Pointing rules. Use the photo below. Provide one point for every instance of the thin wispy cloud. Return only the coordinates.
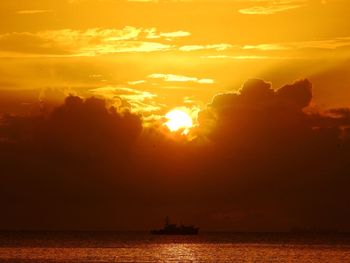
(33, 12)
(272, 7)
(314, 44)
(179, 78)
(217, 47)
(248, 57)
(90, 42)
(136, 82)
(152, 33)
(136, 100)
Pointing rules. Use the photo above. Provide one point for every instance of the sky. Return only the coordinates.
(164, 54)
(87, 88)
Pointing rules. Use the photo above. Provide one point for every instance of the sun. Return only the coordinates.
(178, 120)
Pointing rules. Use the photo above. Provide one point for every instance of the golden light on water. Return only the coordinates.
(179, 120)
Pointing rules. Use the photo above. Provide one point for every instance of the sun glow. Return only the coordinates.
(179, 120)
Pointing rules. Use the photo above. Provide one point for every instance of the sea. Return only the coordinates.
(143, 247)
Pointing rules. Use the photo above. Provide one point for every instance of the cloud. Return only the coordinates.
(258, 95)
(260, 10)
(265, 47)
(246, 57)
(34, 12)
(122, 97)
(326, 44)
(167, 35)
(179, 78)
(27, 43)
(298, 94)
(272, 7)
(97, 41)
(91, 42)
(175, 34)
(261, 159)
(271, 128)
(152, 33)
(216, 47)
(136, 82)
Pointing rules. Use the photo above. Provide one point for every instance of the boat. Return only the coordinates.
(173, 229)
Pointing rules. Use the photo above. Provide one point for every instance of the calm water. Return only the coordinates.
(142, 247)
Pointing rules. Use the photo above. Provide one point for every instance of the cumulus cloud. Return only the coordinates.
(263, 158)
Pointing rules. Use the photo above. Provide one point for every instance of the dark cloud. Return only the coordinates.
(263, 159)
(298, 94)
(289, 160)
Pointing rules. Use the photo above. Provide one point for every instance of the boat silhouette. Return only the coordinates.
(173, 229)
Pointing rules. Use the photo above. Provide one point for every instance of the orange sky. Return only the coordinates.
(157, 55)
(267, 158)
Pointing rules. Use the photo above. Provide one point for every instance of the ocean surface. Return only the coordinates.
(143, 247)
